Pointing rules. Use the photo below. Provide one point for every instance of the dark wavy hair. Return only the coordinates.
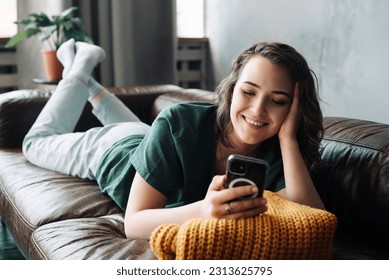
(310, 132)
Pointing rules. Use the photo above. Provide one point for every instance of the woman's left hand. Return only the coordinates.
(292, 121)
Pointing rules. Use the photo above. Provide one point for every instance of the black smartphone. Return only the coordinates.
(243, 171)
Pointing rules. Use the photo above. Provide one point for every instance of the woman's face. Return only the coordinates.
(260, 101)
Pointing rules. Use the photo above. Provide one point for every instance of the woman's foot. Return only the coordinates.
(66, 54)
(86, 58)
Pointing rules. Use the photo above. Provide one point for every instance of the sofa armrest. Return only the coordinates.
(20, 108)
(186, 95)
(353, 176)
(18, 111)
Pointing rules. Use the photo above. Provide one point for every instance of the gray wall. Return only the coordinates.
(345, 42)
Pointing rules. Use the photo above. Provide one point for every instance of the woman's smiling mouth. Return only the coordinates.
(255, 123)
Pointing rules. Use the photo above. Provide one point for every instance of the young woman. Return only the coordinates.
(174, 170)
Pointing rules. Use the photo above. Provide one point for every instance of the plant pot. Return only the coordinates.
(53, 66)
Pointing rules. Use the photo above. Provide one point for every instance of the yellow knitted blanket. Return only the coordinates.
(286, 231)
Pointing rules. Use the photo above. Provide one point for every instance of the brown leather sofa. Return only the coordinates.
(54, 216)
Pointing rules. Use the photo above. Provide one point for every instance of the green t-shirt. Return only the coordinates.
(176, 157)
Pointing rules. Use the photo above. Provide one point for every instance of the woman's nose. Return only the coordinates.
(258, 106)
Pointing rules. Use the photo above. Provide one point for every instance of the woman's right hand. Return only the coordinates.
(221, 203)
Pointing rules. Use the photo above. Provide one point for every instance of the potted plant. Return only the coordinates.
(54, 31)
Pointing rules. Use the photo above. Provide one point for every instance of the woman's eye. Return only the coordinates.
(248, 93)
(279, 102)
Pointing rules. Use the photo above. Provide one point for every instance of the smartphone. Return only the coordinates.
(243, 171)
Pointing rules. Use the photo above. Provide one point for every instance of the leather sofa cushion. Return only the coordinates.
(31, 197)
(86, 239)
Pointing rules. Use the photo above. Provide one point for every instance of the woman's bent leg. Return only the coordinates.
(111, 109)
(78, 154)
(50, 142)
(63, 109)
(107, 107)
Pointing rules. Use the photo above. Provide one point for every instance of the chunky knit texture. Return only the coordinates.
(287, 230)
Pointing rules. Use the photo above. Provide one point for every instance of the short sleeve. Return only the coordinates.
(156, 158)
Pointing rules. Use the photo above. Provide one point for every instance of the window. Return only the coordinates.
(8, 15)
(190, 18)
(8, 68)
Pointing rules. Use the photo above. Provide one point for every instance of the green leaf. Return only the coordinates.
(67, 12)
(23, 21)
(42, 20)
(31, 25)
(20, 36)
(47, 32)
(32, 31)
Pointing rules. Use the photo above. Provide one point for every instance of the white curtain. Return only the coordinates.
(139, 37)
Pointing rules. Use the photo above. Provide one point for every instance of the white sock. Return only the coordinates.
(86, 58)
(65, 54)
(94, 88)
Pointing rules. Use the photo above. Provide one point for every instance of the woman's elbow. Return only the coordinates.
(128, 221)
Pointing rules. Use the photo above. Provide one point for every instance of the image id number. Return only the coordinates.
(249, 270)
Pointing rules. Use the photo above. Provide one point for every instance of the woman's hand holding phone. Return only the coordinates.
(221, 202)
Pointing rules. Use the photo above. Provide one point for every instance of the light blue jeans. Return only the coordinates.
(52, 144)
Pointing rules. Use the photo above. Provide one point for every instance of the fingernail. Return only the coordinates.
(254, 189)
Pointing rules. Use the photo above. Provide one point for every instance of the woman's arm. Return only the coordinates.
(298, 183)
(145, 209)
